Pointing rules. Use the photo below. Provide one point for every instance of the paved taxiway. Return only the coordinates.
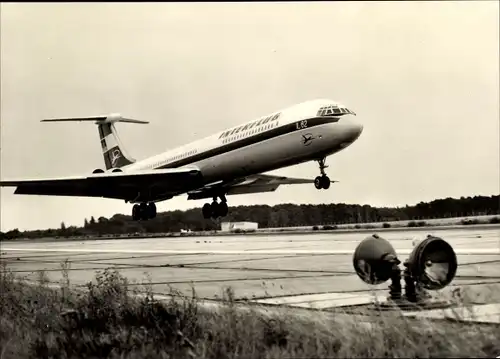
(276, 268)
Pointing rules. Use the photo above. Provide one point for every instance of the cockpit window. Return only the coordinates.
(333, 110)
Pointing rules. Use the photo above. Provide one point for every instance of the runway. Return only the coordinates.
(312, 270)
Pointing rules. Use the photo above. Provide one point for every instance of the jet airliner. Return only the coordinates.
(227, 163)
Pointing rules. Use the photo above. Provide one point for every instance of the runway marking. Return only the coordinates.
(177, 265)
(325, 300)
(461, 251)
(126, 266)
(226, 280)
(87, 254)
(479, 313)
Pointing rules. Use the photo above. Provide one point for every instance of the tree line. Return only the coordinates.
(282, 215)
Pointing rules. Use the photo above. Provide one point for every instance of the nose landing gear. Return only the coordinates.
(323, 181)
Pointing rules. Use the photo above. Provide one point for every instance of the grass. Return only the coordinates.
(109, 320)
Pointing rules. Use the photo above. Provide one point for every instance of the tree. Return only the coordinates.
(285, 214)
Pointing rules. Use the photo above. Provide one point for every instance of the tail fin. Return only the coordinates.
(112, 149)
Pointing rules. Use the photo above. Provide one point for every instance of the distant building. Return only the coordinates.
(241, 226)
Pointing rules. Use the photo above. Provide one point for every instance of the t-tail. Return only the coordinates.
(112, 149)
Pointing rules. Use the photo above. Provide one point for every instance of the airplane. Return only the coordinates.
(229, 162)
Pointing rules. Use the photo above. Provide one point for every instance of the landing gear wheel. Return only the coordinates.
(151, 210)
(215, 210)
(136, 212)
(143, 210)
(223, 209)
(322, 182)
(318, 182)
(325, 182)
(214, 207)
(207, 210)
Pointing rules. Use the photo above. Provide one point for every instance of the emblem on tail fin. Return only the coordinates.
(115, 156)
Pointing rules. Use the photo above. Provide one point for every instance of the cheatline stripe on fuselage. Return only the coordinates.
(251, 140)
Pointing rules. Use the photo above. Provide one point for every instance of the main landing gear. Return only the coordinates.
(214, 210)
(143, 211)
(323, 181)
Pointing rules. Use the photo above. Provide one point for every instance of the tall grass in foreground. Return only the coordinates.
(108, 320)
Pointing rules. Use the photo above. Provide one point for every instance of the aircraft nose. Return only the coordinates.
(354, 128)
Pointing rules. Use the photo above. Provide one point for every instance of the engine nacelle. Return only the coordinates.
(117, 170)
(98, 171)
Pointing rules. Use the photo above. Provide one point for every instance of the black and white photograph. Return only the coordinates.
(217, 180)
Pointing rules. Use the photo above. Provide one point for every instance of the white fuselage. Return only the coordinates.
(291, 136)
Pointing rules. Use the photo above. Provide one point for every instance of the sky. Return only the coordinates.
(423, 78)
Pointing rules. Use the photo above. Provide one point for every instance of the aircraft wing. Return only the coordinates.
(117, 185)
(252, 184)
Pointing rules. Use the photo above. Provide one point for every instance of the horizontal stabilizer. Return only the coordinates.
(112, 149)
(97, 119)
